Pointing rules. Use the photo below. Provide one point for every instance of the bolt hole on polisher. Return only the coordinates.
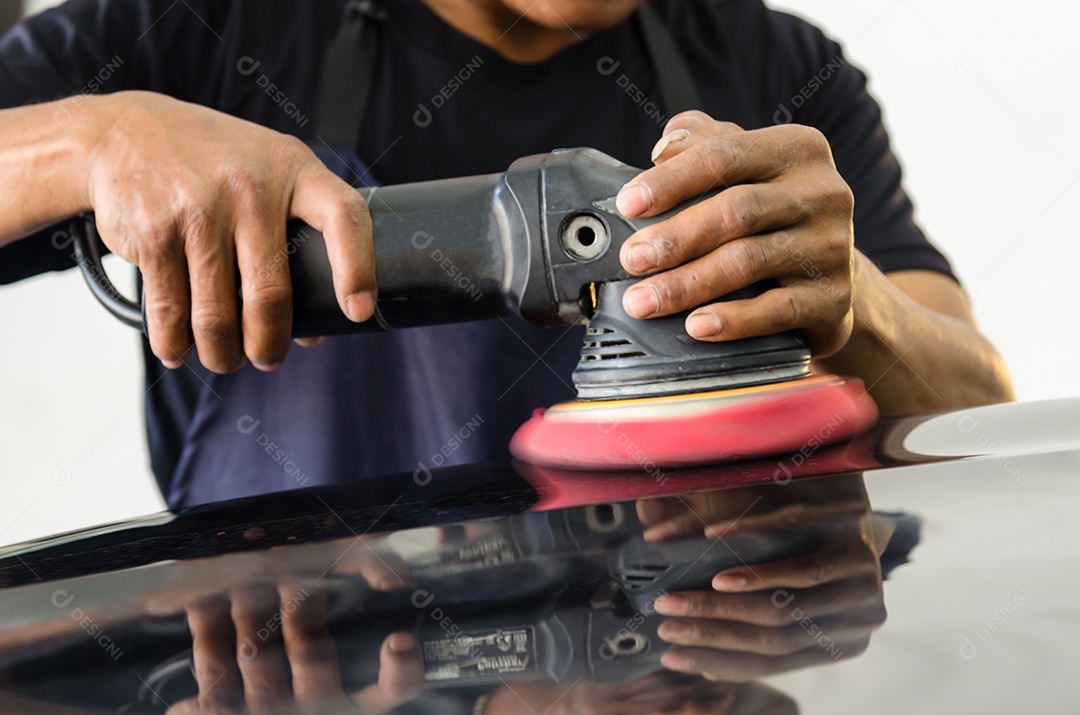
(541, 241)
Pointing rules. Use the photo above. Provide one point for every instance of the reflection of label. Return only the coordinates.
(479, 555)
(481, 654)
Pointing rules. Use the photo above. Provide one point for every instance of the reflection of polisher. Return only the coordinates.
(561, 596)
(542, 241)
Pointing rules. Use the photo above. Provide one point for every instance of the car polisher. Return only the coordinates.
(541, 241)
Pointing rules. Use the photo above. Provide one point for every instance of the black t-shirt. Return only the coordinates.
(443, 105)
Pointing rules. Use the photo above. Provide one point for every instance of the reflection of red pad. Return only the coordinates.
(699, 429)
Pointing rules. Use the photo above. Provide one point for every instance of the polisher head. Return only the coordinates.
(651, 396)
(706, 428)
(625, 358)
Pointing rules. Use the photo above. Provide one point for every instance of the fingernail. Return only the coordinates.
(676, 661)
(703, 325)
(402, 643)
(655, 533)
(675, 630)
(642, 257)
(667, 140)
(360, 306)
(670, 605)
(728, 581)
(172, 364)
(632, 200)
(641, 301)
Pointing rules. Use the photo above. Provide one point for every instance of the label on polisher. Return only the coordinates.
(481, 655)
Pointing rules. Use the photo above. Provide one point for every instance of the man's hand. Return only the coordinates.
(261, 649)
(785, 215)
(199, 201)
(795, 612)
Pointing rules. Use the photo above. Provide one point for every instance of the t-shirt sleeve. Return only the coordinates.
(819, 88)
(90, 47)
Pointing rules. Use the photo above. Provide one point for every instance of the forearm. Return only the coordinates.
(43, 163)
(913, 358)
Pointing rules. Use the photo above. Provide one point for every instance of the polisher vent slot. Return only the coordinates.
(609, 344)
(614, 356)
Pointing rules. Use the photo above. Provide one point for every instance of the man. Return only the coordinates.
(182, 131)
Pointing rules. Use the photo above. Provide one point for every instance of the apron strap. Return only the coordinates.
(678, 93)
(348, 71)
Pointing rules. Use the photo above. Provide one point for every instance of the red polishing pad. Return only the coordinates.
(687, 430)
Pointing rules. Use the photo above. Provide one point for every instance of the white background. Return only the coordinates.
(980, 98)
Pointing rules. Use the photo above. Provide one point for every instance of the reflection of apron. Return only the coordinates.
(404, 401)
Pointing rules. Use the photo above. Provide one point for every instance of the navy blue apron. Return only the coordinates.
(405, 401)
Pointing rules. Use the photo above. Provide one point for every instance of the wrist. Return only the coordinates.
(869, 322)
(93, 120)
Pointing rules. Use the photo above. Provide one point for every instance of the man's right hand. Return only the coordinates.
(191, 195)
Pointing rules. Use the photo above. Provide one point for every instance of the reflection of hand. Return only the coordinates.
(661, 692)
(725, 511)
(768, 618)
(282, 657)
(364, 557)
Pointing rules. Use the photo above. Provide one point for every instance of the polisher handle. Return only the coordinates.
(527, 242)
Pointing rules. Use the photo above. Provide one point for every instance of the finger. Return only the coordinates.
(736, 666)
(260, 655)
(838, 561)
(309, 342)
(686, 129)
(653, 510)
(774, 311)
(167, 297)
(336, 209)
(714, 163)
(787, 516)
(775, 607)
(731, 267)
(738, 212)
(183, 707)
(213, 649)
(383, 571)
(211, 258)
(671, 143)
(309, 647)
(792, 637)
(700, 124)
(266, 287)
(401, 675)
(679, 525)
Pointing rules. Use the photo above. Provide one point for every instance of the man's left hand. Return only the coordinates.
(785, 215)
